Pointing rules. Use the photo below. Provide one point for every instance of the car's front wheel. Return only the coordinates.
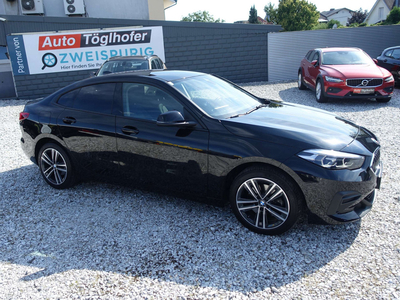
(319, 92)
(265, 201)
(300, 82)
(55, 166)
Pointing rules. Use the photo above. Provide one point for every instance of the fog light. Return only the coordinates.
(333, 90)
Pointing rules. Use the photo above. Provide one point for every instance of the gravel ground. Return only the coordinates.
(99, 241)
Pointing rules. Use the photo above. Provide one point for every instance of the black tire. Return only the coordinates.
(319, 92)
(55, 166)
(383, 100)
(265, 201)
(300, 81)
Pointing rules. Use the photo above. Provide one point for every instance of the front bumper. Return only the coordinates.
(339, 196)
(350, 206)
(341, 90)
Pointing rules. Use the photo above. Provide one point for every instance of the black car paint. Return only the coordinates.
(390, 63)
(202, 161)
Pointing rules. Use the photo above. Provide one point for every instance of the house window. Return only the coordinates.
(381, 13)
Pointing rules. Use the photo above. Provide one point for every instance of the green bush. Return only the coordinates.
(333, 22)
(394, 16)
(321, 26)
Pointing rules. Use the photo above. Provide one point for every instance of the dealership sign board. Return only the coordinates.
(41, 53)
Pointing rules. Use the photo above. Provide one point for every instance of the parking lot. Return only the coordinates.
(97, 240)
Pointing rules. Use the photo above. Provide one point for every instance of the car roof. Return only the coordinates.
(131, 57)
(390, 48)
(161, 75)
(338, 49)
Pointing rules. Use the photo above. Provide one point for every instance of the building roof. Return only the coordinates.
(322, 18)
(389, 3)
(333, 11)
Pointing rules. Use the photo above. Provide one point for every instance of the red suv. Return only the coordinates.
(344, 73)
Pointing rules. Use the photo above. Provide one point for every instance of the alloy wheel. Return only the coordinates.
(318, 90)
(262, 203)
(53, 166)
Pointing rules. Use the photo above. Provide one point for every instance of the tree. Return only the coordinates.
(253, 17)
(293, 14)
(394, 16)
(357, 17)
(201, 16)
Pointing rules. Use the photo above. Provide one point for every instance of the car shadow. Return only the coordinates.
(307, 97)
(102, 227)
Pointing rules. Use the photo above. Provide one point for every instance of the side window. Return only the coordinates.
(396, 54)
(160, 64)
(389, 53)
(141, 101)
(68, 98)
(96, 98)
(316, 57)
(154, 64)
(309, 55)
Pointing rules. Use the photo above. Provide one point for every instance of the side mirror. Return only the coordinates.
(375, 61)
(174, 118)
(314, 63)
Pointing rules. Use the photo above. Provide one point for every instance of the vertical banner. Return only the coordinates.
(80, 50)
(16, 51)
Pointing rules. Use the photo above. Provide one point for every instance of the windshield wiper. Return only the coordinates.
(250, 111)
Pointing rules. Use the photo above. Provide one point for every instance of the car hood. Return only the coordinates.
(294, 125)
(355, 71)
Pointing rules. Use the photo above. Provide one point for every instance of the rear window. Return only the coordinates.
(95, 98)
(123, 66)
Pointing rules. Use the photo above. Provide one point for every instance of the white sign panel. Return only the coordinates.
(81, 50)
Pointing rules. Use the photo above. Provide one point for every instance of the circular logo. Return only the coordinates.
(49, 60)
(364, 82)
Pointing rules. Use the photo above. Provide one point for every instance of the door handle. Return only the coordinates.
(69, 120)
(129, 130)
(385, 60)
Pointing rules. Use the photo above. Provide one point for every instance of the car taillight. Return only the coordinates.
(23, 116)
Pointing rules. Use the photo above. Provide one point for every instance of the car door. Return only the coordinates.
(305, 65)
(391, 60)
(313, 70)
(172, 158)
(87, 125)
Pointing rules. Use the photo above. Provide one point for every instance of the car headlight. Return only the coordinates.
(333, 79)
(390, 78)
(333, 160)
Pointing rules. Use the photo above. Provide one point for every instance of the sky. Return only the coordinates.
(238, 10)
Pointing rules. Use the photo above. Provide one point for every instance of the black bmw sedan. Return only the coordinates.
(199, 135)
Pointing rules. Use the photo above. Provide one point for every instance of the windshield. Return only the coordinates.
(123, 66)
(217, 98)
(345, 58)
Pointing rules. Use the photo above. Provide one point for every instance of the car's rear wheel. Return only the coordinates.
(383, 100)
(265, 201)
(300, 82)
(55, 166)
(319, 92)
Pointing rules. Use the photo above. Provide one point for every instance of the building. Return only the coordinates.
(380, 10)
(342, 15)
(126, 9)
